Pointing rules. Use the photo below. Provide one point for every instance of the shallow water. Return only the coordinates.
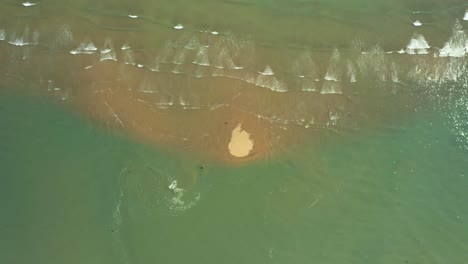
(115, 120)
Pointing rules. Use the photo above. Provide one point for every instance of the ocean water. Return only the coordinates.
(115, 117)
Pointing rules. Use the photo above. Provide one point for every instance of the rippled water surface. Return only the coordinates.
(116, 119)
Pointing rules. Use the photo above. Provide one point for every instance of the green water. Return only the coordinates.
(379, 173)
(74, 193)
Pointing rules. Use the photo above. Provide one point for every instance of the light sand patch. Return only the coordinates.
(241, 144)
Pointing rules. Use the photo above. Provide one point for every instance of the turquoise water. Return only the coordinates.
(72, 192)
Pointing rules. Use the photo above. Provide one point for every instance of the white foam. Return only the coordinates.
(333, 72)
(456, 46)
(331, 87)
(23, 39)
(351, 71)
(178, 26)
(125, 46)
(26, 53)
(270, 82)
(28, 4)
(394, 73)
(108, 52)
(129, 57)
(147, 87)
(180, 56)
(167, 52)
(201, 71)
(2, 34)
(304, 67)
(214, 32)
(466, 16)
(333, 116)
(64, 36)
(35, 38)
(173, 185)
(86, 47)
(232, 54)
(417, 45)
(182, 101)
(218, 72)
(178, 69)
(166, 103)
(307, 85)
(417, 23)
(267, 71)
(193, 43)
(451, 50)
(132, 16)
(156, 65)
(202, 56)
(17, 40)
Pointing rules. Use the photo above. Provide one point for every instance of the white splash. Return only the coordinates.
(307, 84)
(331, 87)
(165, 104)
(180, 56)
(26, 53)
(156, 65)
(417, 23)
(305, 69)
(456, 46)
(125, 46)
(17, 40)
(2, 34)
(223, 59)
(35, 38)
(394, 73)
(333, 116)
(178, 26)
(132, 16)
(64, 36)
(270, 82)
(178, 69)
(417, 45)
(108, 53)
(147, 86)
(267, 71)
(333, 71)
(192, 44)
(466, 16)
(167, 52)
(129, 57)
(28, 4)
(351, 71)
(200, 72)
(202, 56)
(214, 32)
(177, 203)
(86, 47)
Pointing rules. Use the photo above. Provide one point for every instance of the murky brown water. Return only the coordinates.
(186, 74)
